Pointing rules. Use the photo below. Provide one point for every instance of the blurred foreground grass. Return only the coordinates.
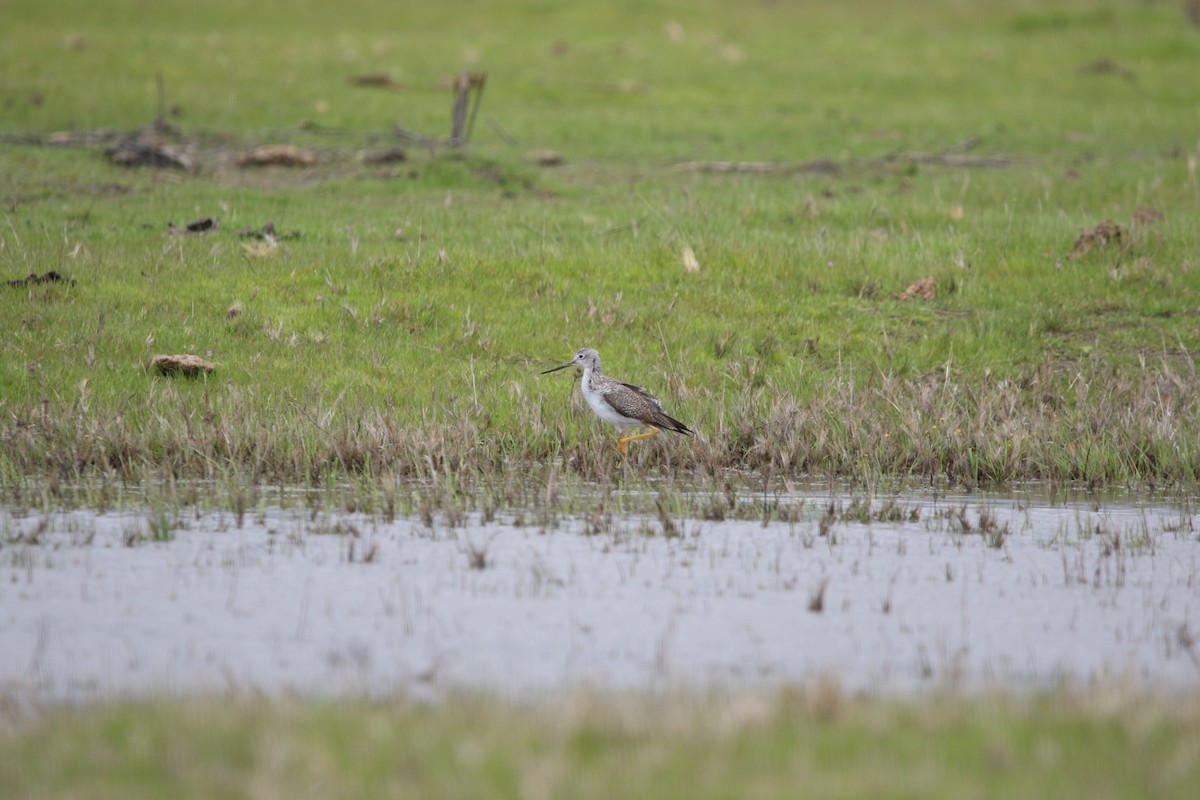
(817, 742)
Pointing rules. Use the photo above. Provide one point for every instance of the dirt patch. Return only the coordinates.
(33, 279)
(1103, 235)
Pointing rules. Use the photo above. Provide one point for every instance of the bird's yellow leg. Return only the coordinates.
(621, 445)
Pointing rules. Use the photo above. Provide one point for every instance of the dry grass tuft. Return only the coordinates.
(1104, 234)
(1052, 424)
(923, 289)
(187, 365)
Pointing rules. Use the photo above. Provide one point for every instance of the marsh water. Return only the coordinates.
(888, 595)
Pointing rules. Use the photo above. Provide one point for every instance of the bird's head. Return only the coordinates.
(587, 358)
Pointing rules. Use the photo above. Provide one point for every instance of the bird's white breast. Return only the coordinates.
(603, 410)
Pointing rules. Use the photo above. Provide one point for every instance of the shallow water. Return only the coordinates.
(329, 604)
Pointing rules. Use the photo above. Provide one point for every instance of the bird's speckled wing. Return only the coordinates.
(648, 395)
(636, 403)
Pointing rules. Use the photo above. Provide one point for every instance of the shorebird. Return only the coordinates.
(621, 404)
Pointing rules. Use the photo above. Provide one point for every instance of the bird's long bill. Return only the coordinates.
(556, 369)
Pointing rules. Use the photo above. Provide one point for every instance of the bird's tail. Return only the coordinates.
(668, 423)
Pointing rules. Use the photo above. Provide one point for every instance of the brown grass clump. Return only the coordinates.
(1050, 425)
(924, 289)
(1104, 234)
(187, 365)
(1146, 215)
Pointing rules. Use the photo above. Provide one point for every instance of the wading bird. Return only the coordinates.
(621, 404)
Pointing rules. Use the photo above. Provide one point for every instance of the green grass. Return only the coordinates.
(366, 350)
(820, 743)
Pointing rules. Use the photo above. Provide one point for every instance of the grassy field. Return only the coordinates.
(817, 743)
(816, 162)
(745, 189)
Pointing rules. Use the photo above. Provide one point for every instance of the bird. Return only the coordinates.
(621, 404)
